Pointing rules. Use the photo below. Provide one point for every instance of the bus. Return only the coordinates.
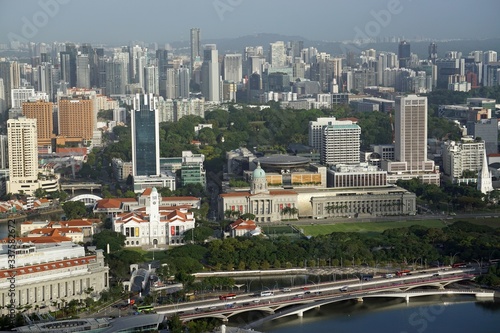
(459, 265)
(403, 272)
(145, 308)
(266, 293)
(228, 296)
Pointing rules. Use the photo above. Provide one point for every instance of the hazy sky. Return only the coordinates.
(163, 21)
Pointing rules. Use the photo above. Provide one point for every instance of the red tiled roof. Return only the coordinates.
(40, 240)
(147, 192)
(52, 231)
(241, 224)
(49, 266)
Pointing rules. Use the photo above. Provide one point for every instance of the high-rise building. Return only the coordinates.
(45, 83)
(184, 77)
(487, 130)
(277, 54)
(340, 143)
(490, 56)
(151, 82)
(404, 54)
(411, 133)
(83, 71)
(210, 78)
(162, 63)
(78, 109)
(3, 102)
(466, 155)
(491, 74)
(20, 95)
(9, 72)
(233, 67)
(4, 152)
(117, 73)
(23, 154)
(195, 46)
(145, 136)
(433, 53)
(42, 112)
(172, 83)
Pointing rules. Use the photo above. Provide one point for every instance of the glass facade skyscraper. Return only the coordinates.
(145, 136)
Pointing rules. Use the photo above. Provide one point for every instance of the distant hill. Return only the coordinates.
(229, 45)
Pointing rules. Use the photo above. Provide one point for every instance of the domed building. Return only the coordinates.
(266, 205)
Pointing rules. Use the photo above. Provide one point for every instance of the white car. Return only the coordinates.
(344, 289)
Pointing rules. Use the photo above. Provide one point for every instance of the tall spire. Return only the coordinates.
(484, 183)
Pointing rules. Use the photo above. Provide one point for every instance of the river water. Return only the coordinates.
(426, 314)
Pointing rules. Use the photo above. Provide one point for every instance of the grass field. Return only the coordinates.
(365, 227)
(378, 227)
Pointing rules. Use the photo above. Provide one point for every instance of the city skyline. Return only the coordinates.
(117, 22)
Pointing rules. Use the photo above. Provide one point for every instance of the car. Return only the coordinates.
(435, 274)
(286, 290)
(344, 289)
(317, 293)
(212, 308)
(307, 292)
(256, 300)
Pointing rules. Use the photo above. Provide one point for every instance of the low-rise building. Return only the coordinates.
(45, 274)
(243, 228)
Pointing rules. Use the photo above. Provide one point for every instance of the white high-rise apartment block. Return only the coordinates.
(151, 80)
(23, 154)
(20, 95)
(233, 67)
(316, 131)
(210, 77)
(461, 156)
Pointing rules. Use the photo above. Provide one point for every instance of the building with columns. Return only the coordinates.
(47, 273)
(267, 205)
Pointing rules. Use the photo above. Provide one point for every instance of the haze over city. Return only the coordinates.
(116, 21)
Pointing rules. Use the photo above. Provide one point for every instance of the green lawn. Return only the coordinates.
(365, 227)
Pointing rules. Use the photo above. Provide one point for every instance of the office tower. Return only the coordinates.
(433, 52)
(78, 109)
(117, 71)
(491, 74)
(195, 46)
(210, 78)
(447, 68)
(101, 68)
(316, 131)
(137, 61)
(23, 154)
(233, 67)
(172, 82)
(42, 112)
(487, 130)
(45, 83)
(9, 72)
(68, 64)
(3, 102)
(411, 133)
(162, 63)
(184, 77)
(296, 47)
(151, 80)
(82, 71)
(277, 54)
(145, 136)
(490, 56)
(404, 54)
(4, 152)
(340, 143)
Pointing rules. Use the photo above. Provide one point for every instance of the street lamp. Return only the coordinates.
(452, 258)
(480, 264)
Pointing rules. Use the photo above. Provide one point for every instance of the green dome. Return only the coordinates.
(258, 172)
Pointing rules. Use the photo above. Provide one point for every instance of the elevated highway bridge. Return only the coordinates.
(301, 299)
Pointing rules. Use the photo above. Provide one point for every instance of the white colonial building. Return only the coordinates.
(154, 225)
(266, 205)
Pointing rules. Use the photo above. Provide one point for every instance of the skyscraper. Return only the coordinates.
(433, 52)
(162, 63)
(411, 133)
(23, 154)
(233, 67)
(184, 77)
(195, 46)
(151, 80)
(83, 71)
(9, 72)
(340, 143)
(145, 136)
(404, 54)
(277, 54)
(210, 78)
